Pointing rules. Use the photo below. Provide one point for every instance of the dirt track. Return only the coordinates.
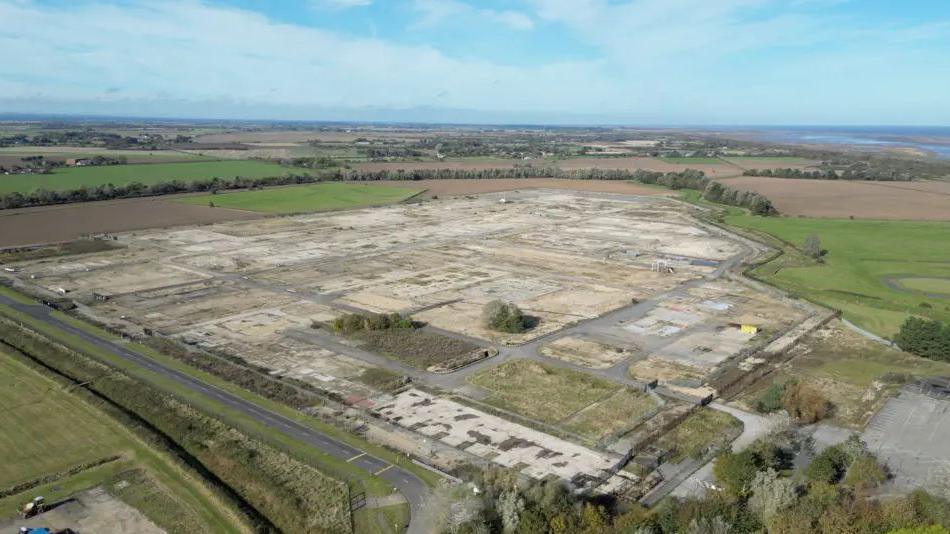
(65, 222)
(864, 200)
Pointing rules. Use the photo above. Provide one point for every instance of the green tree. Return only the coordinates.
(735, 472)
(927, 338)
(828, 466)
(504, 317)
(812, 246)
(770, 494)
(771, 399)
(865, 473)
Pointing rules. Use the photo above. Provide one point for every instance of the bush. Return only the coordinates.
(930, 339)
(771, 399)
(865, 473)
(352, 323)
(504, 317)
(736, 471)
(829, 466)
(805, 403)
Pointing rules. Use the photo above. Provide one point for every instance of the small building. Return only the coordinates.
(748, 324)
(749, 329)
(78, 162)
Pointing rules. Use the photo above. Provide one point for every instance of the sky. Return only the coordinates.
(631, 62)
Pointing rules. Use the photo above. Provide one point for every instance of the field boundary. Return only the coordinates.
(152, 437)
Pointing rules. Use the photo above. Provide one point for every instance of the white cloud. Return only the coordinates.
(435, 12)
(191, 51)
(339, 4)
(685, 61)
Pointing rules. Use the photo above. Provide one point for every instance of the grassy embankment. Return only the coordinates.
(48, 432)
(876, 272)
(69, 178)
(359, 481)
(307, 198)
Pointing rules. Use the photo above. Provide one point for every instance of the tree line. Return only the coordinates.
(44, 197)
(855, 173)
(759, 489)
(688, 179)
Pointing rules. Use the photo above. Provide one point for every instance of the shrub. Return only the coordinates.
(351, 323)
(805, 403)
(930, 339)
(504, 317)
(829, 466)
(736, 471)
(770, 494)
(771, 399)
(865, 473)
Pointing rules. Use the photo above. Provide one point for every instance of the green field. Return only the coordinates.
(703, 430)
(306, 198)
(47, 430)
(131, 156)
(791, 160)
(542, 392)
(863, 256)
(359, 481)
(701, 159)
(65, 179)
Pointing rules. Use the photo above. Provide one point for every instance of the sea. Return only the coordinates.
(932, 139)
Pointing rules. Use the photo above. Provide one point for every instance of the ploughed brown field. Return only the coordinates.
(51, 224)
(631, 163)
(471, 187)
(841, 199)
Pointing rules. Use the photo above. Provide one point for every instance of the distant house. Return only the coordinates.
(78, 162)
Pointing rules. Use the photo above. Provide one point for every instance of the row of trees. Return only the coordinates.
(758, 490)
(850, 173)
(688, 179)
(756, 203)
(42, 197)
(923, 337)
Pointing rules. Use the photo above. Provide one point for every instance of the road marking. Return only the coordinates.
(357, 456)
(388, 467)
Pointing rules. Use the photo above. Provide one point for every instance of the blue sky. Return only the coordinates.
(530, 61)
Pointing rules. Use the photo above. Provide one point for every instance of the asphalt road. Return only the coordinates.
(412, 488)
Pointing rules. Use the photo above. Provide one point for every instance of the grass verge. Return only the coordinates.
(306, 198)
(542, 392)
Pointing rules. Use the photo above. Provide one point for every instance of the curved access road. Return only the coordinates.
(411, 487)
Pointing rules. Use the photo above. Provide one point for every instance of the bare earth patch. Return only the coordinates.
(51, 224)
(584, 352)
(840, 199)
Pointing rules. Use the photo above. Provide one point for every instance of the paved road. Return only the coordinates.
(412, 488)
